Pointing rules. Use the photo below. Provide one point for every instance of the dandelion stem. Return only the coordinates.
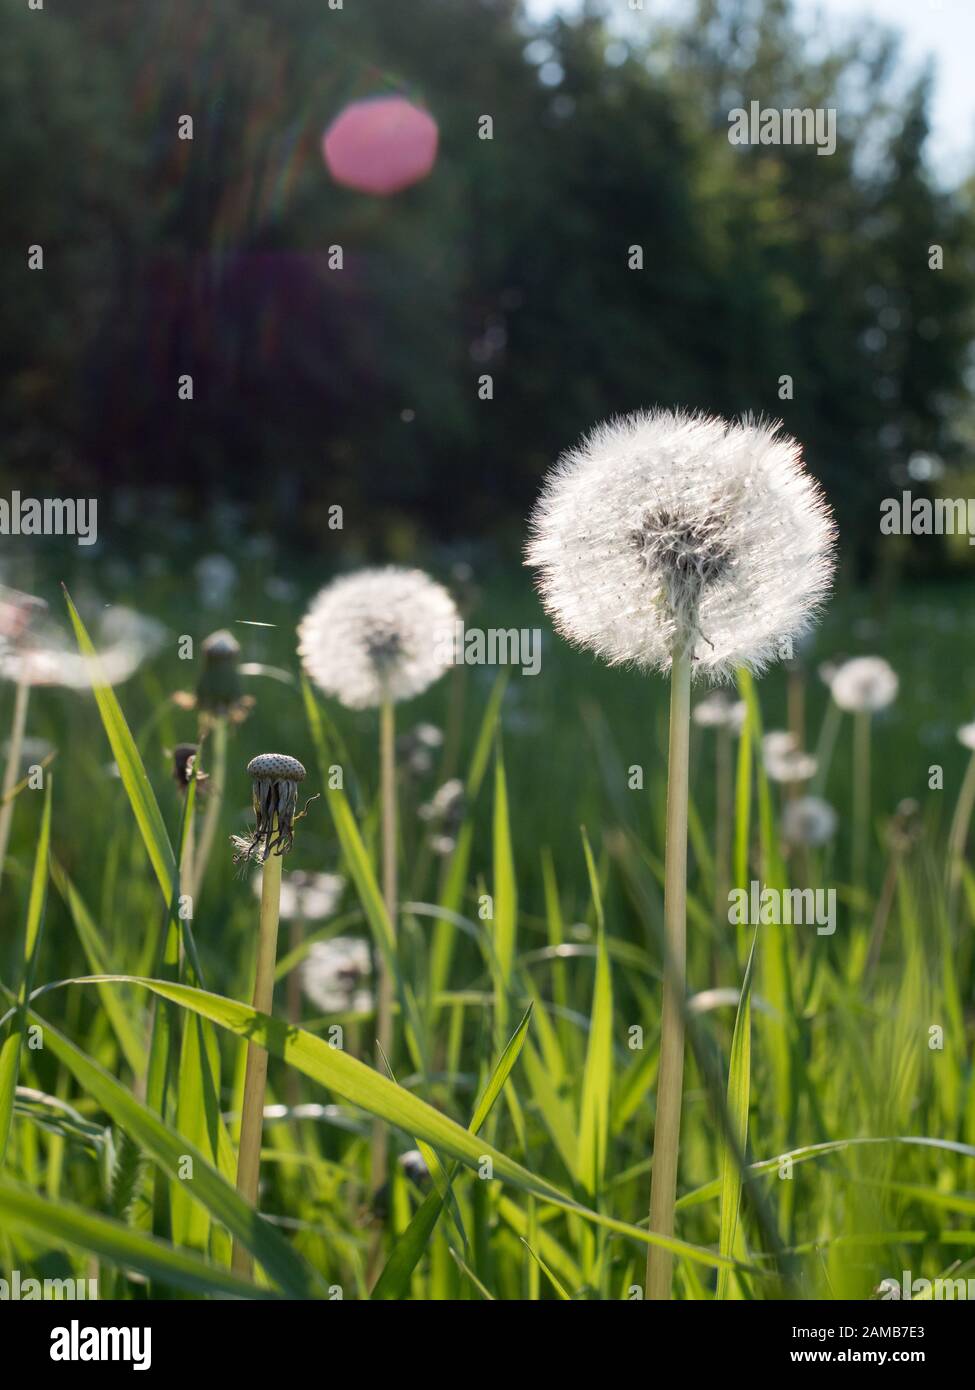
(215, 791)
(724, 801)
(861, 796)
(17, 729)
(670, 1074)
(958, 835)
(255, 1075)
(825, 745)
(384, 1006)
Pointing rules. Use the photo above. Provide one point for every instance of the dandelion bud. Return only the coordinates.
(275, 789)
(219, 690)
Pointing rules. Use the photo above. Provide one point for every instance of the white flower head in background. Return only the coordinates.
(809, 821)
(719, 711)
(378, 634)
(308, 897)
(46, 653)
(216, 578)
(666, 531)
(784, 760)
(865, 683)
(966, 736)
(335, 975)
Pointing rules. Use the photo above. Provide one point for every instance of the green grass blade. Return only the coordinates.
(126, 1031)
(406, 1253)
(739, 1084)
(134, 777)
(505, 891)
(598, 1072)
(170, 1150)
(37, 901)
(547, 1272)
(87, 1231)
(366, 1088)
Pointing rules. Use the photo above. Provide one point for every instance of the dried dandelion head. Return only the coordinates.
(184, 757)
(966, 736)
(664, 532)
(275, 789)
(864, 684)
(380, 634)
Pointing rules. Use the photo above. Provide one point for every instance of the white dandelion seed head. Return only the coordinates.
(378, 634)
(784, 760)
(49, 655)
(719, 711)
(310, 897)
(335, 975)
(809, 820)
(966, 736)
(865, 683)
(666, 531)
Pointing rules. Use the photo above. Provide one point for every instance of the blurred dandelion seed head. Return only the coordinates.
(966, 736)
(864, 684)
(307, 897)
(335, 975)
(808, 821)
(719, 711)
(784, 760)
(666, 531)
(378, 634)
(45, 653)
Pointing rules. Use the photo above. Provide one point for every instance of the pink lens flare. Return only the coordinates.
(381, 145)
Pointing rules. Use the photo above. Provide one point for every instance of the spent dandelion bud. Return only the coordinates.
(184, 768)
(275, 779)
(378, 635)
(666, 532)
(864, 684)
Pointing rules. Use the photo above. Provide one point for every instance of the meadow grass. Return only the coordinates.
(828, 1132)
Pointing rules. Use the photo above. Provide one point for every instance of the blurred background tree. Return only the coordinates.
(314, 385)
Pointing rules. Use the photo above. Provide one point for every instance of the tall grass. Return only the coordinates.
(828, 1129)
